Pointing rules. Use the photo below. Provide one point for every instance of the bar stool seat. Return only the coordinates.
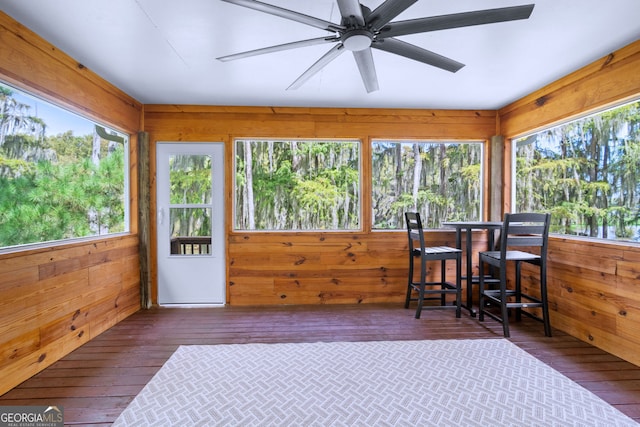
(430, 290)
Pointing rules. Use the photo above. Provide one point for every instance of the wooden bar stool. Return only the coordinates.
(424, 289)
(528, 231)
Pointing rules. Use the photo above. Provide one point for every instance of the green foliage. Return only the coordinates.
(13, 168)
(50, 189)
(586, 173)
(69, 147)
(62, 201)
(190, 184)
(440, 180)
(316, 196)
(316, 184)
(297, 185)
(190, 178)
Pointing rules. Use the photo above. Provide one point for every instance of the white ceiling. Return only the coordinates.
(164, 51)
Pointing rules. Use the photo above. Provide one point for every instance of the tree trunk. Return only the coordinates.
(417, 171)
(248, 166)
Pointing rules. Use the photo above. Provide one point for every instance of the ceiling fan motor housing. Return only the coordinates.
(358, 39)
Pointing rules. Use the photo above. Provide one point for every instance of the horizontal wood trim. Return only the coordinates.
(200, 123)
(354, 114)
(610, 80)
(32, 63)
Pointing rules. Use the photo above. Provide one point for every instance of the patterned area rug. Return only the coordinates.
(384, 383)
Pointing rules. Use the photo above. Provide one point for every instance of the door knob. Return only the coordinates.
(160, 216)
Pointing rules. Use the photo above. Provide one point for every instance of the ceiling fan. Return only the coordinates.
(362, 29)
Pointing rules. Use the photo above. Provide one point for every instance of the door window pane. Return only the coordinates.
(190, 193)
(190, 179)
(190, 231)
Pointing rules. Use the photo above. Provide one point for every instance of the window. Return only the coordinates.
(297, 185)
(190, 210)
(61, 176)
(441, 180)
(586, 173)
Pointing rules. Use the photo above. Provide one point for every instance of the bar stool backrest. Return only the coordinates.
(414, 230)
(525, 230)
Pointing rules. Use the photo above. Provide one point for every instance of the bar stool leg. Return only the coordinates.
(409, 287)
(443, 278)
(458, 285)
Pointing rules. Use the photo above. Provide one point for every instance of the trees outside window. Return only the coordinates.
(61, 176)
(441, 180)
(297, 185)
(586, 173)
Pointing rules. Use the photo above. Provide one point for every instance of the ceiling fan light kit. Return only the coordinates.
(362, 29)
(357, 40)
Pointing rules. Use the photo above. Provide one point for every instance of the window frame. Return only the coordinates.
(549, 127)
(104, 131)
(444, 141)
(355, 140)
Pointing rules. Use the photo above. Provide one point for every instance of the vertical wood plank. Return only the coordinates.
(144, 219)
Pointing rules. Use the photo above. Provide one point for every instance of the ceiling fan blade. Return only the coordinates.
(417, 53)
(288, 14)
(456, 20)
(351, 8)
(364, 59)
(278, 48)
(319, 64)
(388, 10)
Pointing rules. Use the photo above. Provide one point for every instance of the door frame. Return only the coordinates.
(222, 217)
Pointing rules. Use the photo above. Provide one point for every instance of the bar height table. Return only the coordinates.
(468, 227)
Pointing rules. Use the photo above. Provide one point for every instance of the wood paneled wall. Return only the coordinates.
(595, 294)
(54, 299)
(326, 268)
(594, 286)
(313, 267)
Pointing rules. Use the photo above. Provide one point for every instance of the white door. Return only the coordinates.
(190, 223)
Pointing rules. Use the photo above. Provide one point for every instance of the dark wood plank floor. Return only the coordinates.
(96, 382)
